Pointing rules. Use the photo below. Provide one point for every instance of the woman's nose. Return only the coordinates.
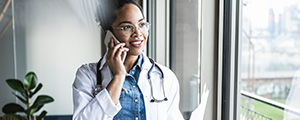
(137, 32)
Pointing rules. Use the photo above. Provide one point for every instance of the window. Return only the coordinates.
(45, 36)
(270, 59)
(7, 51)
(185, 51)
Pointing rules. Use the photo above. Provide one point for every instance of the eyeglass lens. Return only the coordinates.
(130, 29)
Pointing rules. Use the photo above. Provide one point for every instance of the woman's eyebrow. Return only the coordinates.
(141, 19)
(129, 21)
(124, 22)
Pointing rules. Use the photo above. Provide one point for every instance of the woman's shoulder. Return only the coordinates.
(88, 65)
(85, 74)
(87, 68)
(163, 67)
(167, 71)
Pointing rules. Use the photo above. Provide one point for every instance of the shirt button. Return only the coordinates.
(132, 72)
(133, 86)
(136, 118)
(136, 100)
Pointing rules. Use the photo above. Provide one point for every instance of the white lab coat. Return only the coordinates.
(101, 107)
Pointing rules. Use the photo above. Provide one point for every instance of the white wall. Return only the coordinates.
(209, 55)
(53, 40)
(57, 44)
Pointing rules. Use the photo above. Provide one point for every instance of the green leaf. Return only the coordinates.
(39, 108)
(33, 110)
(42, 115)
(12, 108)
(36, 89)
(36, 109)
(17, 85)
(20, 98)
(18, 117)
(30, 80)
(41, 100)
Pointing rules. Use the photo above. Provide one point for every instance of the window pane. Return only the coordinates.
(270, 57)
(7, 49)
(185, 45)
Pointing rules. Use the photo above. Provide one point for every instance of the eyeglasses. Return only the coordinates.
(129, 29)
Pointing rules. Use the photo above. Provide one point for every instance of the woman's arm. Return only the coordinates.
(86, 106)
(115, 64)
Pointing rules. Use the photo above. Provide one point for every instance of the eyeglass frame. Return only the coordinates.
(132, 29)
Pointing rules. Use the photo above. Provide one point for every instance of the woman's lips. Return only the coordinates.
(137, 43)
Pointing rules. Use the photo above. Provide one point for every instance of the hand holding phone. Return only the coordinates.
(108, 35)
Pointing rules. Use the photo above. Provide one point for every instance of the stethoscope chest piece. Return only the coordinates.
(97, 89)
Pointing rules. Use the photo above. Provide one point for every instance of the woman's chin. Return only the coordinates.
(135, 53)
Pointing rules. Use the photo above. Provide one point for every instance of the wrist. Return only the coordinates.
(120, 76)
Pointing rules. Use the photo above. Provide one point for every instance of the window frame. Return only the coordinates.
(158, 14)
(229, 59)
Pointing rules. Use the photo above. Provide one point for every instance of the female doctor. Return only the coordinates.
(137, 88)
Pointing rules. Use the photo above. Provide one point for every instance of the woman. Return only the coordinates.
(126, 91)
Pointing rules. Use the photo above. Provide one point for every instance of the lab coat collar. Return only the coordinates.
(146, 65)
(143, 75)
(103, 60)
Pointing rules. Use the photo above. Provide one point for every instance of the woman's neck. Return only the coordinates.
(129, 62)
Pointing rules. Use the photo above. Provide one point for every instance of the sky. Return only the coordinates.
(257, 10)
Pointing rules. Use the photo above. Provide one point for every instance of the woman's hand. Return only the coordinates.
(117, 67)
(114, 59)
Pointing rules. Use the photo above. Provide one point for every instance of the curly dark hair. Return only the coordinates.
(106, 11)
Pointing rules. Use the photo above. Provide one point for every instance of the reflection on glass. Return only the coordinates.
(293, 97)
(7, 49)
(50, 38)
(269, 55)
(185, 55)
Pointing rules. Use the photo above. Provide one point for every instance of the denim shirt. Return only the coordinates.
(131, 98)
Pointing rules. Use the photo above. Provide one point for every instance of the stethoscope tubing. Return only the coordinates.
(99, 81)
(151, 86)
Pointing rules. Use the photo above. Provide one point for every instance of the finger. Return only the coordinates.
(123, 56)
(120, 51)
(111, 43)
(110, 47)
(113, 52)
(118, 46)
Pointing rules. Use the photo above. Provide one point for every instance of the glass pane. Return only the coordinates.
(50, 38)
(7, 49)
(270, 57)
(185, 55)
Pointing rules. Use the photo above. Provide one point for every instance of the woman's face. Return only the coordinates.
(130, 15)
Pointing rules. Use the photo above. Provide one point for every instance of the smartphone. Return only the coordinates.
(108, 35)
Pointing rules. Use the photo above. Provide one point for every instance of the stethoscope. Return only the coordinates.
(153, 99)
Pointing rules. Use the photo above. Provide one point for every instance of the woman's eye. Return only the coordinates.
(127, 27)
(143, 25)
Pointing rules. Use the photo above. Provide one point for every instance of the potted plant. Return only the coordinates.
(24, 92)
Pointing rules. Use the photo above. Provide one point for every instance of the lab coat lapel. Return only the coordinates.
(143, 80)
(105, 72)
(152, 109)
(144, 85)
